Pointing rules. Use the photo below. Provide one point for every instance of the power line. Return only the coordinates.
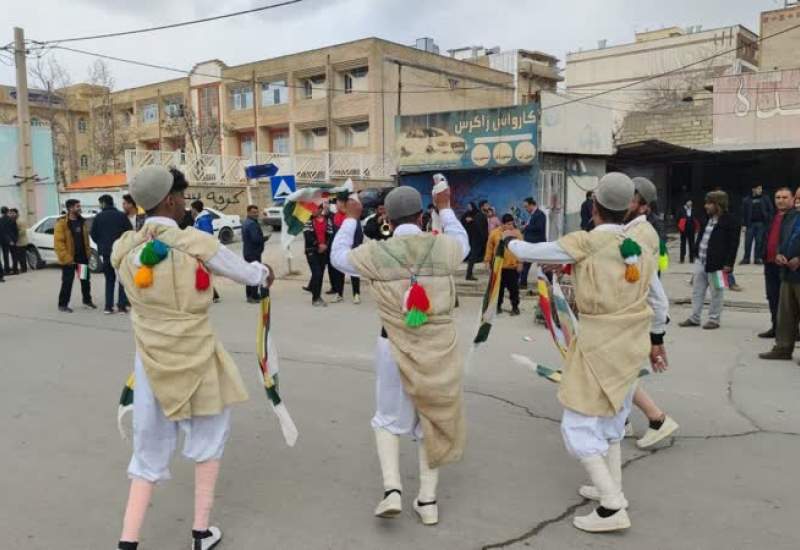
(175, 25)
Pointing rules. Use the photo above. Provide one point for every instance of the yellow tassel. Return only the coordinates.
(631, 273)
(143, 277)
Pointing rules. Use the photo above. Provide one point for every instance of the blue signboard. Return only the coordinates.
(484, 138)
(282, 187)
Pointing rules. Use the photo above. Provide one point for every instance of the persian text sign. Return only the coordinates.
(485, 138)
(757, 108)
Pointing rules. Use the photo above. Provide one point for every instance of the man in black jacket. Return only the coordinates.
(252, 246)
(534, 232)
(586, 212)
(107, 227)
(717, 244)
(757, 210)
(8, 230)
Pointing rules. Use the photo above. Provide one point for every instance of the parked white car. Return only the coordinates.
(273, 217)
(41, 250)
(227, 227)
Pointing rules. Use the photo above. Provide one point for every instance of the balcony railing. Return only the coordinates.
(229, 170)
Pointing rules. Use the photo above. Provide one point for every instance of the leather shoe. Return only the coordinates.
(688, 323)
(767, 333)
(776, 354)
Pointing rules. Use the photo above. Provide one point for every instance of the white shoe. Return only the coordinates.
(390, 507)
(428, 513)
(651, 437)
(209, 542)
(336, 299)
(593, 523)
(591, 492)
(357, 299)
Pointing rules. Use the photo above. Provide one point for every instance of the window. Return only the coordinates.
(38, 122)
(48, 226)
(241, 98)
(150, 113)
(314, 87)
(246, 145)
(173, 108)
(84, 162)
(355, 80)
(274, 93)
(315, 139)
(280, 142)
(356, 135)
(209, 104)
(81, 125)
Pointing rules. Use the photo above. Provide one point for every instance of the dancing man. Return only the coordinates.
(419, 370)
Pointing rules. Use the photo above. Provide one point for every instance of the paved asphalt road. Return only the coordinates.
(728, 481)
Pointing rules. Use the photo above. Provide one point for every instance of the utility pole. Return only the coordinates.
(28, 198)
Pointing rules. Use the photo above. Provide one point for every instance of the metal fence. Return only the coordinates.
(218, 170)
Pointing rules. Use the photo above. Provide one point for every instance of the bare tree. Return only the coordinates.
(108, 138)
(203, 136)
(52, 106)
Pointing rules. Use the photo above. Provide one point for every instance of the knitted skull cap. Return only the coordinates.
(615, 191)
(402, 202)
(646, 189)
(150, 185)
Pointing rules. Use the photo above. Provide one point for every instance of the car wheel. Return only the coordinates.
(33, 258)
(226, 235)
(95, 265)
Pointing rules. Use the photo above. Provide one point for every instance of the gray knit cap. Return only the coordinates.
(615, 191)
(402, 202)
(150, 185)
(646, 189)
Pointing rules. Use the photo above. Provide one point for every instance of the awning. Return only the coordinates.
(102, 181)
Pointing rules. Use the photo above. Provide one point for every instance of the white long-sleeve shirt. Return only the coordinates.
(343, 242)
(225, 262)
(553, 253)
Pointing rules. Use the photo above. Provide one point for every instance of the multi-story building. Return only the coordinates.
(533, 71)
(692, 57)
(779, 52)
(331, 105)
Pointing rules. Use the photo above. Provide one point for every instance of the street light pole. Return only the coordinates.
(28, 198)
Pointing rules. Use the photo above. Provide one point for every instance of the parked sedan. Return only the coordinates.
(227, 227)
(41, 250)
(273, 217)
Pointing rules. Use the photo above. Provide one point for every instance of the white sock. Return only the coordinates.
(428, 477)
(389, 455)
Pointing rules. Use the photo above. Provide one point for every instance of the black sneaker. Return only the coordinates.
(330, 292)
(207, 539)
(108, 311)
(89, 305)
(122, 309)
(515, 312)
(65, 309)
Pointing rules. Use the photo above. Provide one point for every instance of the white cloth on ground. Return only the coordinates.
(155, 437)
(586, 436)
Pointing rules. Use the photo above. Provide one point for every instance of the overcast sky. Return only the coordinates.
(553, 26)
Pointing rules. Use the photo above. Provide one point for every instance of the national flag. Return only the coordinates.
(82, 272)
(125, 406)
(567, 321)
(720, 279)
(547, 307)
(489, 307)
(300, 206)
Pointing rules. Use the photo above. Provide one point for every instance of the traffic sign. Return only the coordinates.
(282, 187)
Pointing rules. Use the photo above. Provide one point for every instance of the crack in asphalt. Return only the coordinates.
(527, 410)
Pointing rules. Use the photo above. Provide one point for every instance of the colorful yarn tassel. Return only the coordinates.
(143, 277)
(630, 251)
(416, 305)
(153, 253)
(631, 272)
(202, 280)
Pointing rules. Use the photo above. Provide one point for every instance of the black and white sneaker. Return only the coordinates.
(206, 540)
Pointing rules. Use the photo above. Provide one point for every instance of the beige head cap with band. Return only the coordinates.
(150, 185)
(614, 191)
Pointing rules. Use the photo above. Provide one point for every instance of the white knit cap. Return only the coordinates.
(615, 191)
(150, 185)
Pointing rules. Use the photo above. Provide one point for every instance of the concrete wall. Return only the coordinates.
(45, 191)
(780, 52)
(685, 125)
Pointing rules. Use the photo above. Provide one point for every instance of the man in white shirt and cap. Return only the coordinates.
(419, 370)
(623, 311)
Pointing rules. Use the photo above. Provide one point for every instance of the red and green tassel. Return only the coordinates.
(416, 305)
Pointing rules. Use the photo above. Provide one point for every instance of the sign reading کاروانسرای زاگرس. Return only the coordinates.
(483, 138)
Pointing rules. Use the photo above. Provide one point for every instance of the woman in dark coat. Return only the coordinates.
(477, 228)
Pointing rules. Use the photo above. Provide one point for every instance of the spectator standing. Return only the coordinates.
(8, 231)
(131, 210)
(757, 210)
(107, 227)
(203, 221)
(477, 228)
(509, 279)
(784, 202)
(317, 235)
(587, 223)
(535, 231)
(252, 247)
(717, 245)
(337, 278)
(71, 243)
(688, 226)
(20, 247)
(494, 221)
